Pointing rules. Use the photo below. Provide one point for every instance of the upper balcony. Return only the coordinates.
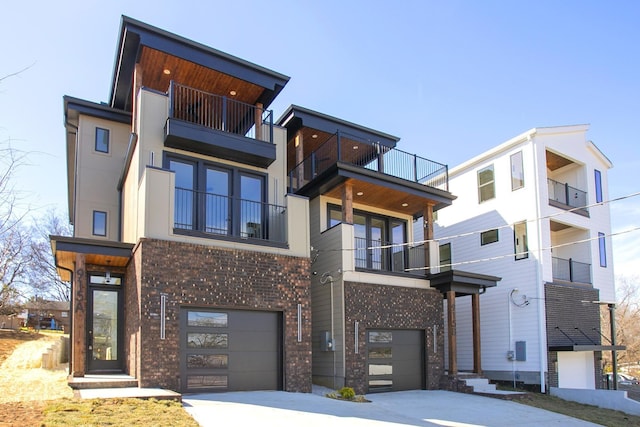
(332, 157)
(219, 126)
(563, 178)
(565, 196)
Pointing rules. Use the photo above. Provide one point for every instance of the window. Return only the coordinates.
(64, 314)
(517, 171)
(489, 236)
(102, 140)
(603, 250)
(520, 240)
(598, 179)
(99, 223)
(445, 257)
(486, 185)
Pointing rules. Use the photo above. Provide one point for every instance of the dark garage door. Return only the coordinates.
(229, 350)
(395, 360)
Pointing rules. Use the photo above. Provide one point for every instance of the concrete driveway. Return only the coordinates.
(406, 408)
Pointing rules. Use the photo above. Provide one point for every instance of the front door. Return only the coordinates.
(104, 319)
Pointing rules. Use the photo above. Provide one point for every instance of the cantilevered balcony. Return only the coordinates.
(387, 257)
(564, 196)
(352, 150)
(568, 270)
(219, 126)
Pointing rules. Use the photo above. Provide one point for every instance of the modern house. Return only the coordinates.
(376, 291)
(189, 263)
(531, 211)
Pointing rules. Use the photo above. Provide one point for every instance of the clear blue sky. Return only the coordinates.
(451, 78)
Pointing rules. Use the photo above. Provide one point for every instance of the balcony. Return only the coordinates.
(211, 215)
(564, 196)
(385, 257)
(345, 148)
(568, 270)
(216, 125)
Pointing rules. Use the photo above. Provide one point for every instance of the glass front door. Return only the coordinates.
(103, 325)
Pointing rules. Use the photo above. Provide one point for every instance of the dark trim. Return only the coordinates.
(133, 141)
(227, 238)
(579, 211)
(135, 34)
(578, 347)
(90, 246)
(296, 117)
(462, 282)
(80, 106)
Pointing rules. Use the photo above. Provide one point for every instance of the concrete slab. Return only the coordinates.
(406, 408)
(127, 392)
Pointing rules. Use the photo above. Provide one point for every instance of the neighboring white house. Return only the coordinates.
(527, 211)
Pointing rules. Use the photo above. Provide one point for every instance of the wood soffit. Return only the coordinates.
(555, 161)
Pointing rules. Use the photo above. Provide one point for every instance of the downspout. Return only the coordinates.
(133, 140)
(72, 215)
(542, 338)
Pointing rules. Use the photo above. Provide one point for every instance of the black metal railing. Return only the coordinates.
(220, 113)
(567, 195)
(570, 270)
(218, 215)
(343, 147)
(383, 256)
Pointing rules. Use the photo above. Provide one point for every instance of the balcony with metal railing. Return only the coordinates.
(216, 216)
(216, 125)
(350, 149)
(385, 257)
(564, 196)
(568, 270)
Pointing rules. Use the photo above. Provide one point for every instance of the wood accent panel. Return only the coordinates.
(477, 352)
(78, 334)
(556, 161)
(154, 62)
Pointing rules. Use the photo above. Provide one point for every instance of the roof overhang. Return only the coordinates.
(135, 36)
(97, 252)
(462, 282)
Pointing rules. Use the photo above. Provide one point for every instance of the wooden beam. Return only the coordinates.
(347, 203)
(78, 333)
(451, 332)
(475, 314)
(427, 216)
(299, 146)
(258, 120)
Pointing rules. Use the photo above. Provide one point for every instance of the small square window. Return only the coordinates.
(99, 223)
(489, 236)
(102, 140)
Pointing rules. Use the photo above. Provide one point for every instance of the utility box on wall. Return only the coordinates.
(521, 351)
(326, 342)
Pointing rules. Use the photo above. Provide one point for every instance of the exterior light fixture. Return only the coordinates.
(404, 205)
(166, 71)
(359, 193)
(355, 147)
(314, 136)
(233, 93)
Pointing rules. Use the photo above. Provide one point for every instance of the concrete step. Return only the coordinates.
(102, 381)
(480, 385)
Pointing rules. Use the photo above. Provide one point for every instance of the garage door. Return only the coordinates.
(395, 360)
(230, 350)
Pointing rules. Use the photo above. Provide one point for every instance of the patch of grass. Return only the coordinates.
(594, 414)
(116, 412)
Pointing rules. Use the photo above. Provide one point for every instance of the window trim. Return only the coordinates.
(602, 249)
(517, 182)
(486, 233)
(598, 184)
(520, 254)
(492, 183)
(95, 143)
(93, 226)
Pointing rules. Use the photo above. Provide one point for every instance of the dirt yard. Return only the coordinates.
(23, 384)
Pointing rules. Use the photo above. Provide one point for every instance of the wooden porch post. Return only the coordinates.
(451, 331)
(427, 216)
(347, 203)
(78, 334)
(475, 314)
(299, 146)
(258, 120)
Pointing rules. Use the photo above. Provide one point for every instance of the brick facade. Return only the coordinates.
(203, 276)
(392, 307)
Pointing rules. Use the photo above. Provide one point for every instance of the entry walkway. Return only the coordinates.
(405, 408)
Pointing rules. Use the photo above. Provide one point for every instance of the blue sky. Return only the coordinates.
(451, 78)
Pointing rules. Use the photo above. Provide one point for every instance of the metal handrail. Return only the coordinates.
(567, 195)
(570, 270)
(384, 256)
(219, 112)
(347, 148)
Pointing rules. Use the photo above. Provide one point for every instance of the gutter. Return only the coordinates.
(133, 142)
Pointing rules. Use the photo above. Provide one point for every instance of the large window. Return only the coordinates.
(521, 247)
(486, 184)
(598, 182)
(380, 240)
(102, 140)
(517, 171)
(603, 250)
(218, 199)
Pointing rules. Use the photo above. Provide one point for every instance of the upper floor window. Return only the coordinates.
(517, 171)
(603, 250)
(598, 182)
(99, 223)
(486, 184)
(445, 256)
(102, 140)
(489, 236)
(521, 248)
